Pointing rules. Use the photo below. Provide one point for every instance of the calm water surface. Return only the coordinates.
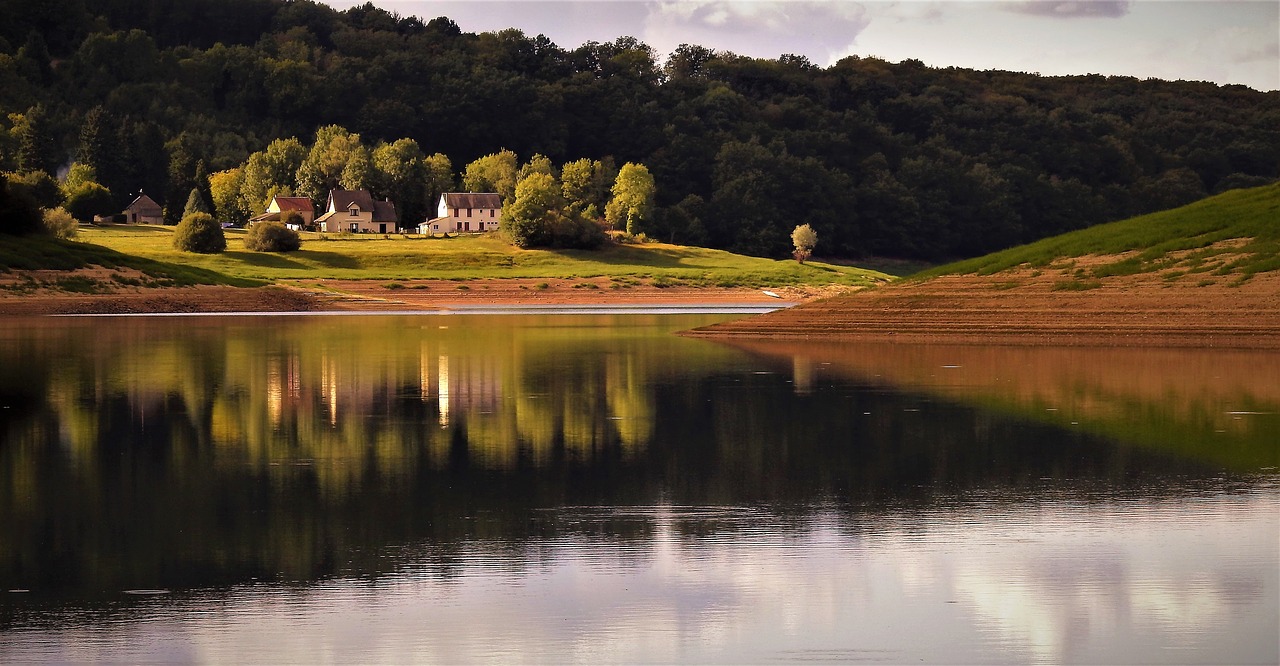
(587, 488)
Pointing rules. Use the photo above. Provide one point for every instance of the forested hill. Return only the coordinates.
(880, 158)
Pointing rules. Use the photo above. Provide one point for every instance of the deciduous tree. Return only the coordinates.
(632, 200)
(225, 187)
(805, 239)
(494, 173)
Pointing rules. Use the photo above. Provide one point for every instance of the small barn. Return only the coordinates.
(144, 210)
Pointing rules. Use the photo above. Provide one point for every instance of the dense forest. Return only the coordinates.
(879, 158)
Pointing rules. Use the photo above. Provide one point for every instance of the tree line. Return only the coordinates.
(879, 158)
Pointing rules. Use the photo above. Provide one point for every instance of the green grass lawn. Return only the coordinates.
(471, 257)
(1251, 216)
(48, 253)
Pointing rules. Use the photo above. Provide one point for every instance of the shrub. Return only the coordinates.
(199, 232)
(271, 237)
(58, 221)
(19, 213)
(90, 200)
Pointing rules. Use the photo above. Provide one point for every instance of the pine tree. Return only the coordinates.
(196, 203)
(37, 150)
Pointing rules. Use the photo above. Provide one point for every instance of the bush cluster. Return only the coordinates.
(271, 237)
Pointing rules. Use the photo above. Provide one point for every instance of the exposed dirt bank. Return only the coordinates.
(1028, 307)
(18, 297)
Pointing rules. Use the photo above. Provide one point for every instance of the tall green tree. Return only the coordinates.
(270, 172)
(400, 174)
(632, 202)
(528, 220)
(183, 161)
(497, 172)
(101, 148)
(358, 172)
(224, 188)
(322, 169)
(439, 179)
(586, 184)
(37, 148)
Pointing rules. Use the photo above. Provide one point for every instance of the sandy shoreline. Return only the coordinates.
(1018, 308)
(1025, 308)
(393, 296)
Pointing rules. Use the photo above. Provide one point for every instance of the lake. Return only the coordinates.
(594, 488)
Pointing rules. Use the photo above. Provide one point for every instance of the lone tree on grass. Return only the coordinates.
(199, 232)
(804, 238)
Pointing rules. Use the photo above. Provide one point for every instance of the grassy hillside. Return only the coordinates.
(31, 253)
(469, 257)
(1236, 233)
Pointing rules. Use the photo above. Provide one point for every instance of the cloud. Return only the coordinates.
(1072, 8)
(816, 30)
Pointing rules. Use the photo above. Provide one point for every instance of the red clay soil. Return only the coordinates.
(1029, 308)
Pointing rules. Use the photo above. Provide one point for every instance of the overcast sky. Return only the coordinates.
(1224, 41)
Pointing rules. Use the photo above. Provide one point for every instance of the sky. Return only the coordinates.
(1224, 41)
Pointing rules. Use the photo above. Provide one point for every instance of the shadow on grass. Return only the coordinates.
(330, 259)
(636, 257)
(45, 253)
(265, 260)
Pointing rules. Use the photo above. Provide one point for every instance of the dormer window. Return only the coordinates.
(354, 210)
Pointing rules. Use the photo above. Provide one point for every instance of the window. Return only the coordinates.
(490, 212)
(355, 211)
(355, 226)
(468, 212)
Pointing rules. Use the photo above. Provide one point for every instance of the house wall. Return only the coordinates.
(457, 220)
(362, 223)
(144, 215)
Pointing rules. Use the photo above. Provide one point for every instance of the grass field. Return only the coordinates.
(376, 257)
(1236, 233)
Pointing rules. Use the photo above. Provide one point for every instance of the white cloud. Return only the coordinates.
(1229, 41)
(1072, 8)
(816, 30)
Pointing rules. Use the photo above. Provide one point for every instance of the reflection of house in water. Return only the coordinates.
(283, 381)
(351, 385)
(466, 384)
(802, 374)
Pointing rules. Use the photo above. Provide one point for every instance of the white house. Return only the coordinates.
(357, 212)
(465, 212)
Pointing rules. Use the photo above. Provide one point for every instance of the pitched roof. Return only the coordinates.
(472, 200)
(342, 200)
(143, 202)
(384, 211)
(294, 203)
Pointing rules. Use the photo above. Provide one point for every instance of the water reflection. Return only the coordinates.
(592, 488)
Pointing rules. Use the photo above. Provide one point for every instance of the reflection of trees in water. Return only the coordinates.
(307, 450)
